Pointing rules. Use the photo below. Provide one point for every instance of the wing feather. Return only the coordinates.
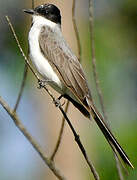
(63, 61)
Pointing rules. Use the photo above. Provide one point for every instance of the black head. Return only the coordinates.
(49, 11)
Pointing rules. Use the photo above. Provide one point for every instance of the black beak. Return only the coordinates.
(29, 11)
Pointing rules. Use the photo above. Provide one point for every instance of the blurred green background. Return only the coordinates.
(116, 53)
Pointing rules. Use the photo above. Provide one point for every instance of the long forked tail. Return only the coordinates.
(108, 135)
(88, 109)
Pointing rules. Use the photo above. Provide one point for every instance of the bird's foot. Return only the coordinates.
(42, 83)
(57, 101)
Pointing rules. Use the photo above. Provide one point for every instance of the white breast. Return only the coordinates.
(41, 63)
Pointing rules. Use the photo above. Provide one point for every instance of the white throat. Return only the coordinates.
(41, 21)
(40, 62)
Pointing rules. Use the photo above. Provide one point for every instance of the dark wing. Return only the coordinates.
(64, 62)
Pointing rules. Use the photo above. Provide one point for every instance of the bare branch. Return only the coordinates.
(60, 134)
(21, 127)
(118, 167)
(94, 58)
(21, 87)
(91, 20)
(76, 30)
(20, 48)
(95, 174)
(33, 4)
(77, 139)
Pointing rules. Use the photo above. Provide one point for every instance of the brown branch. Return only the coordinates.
(76, 30)
(60, 134)
(77, 139)
(21, 127)
(20, 48)
(91, 20)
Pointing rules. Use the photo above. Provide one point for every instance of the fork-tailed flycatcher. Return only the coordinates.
(58, 65)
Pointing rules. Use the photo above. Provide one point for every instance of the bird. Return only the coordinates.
(60, 68)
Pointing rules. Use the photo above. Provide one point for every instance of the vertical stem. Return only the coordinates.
(94, 58)
(76, 30)
(97, 79)
(33, 4)
(21, 87)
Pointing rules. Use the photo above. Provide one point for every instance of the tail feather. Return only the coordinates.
(88, 109)
(108, 135)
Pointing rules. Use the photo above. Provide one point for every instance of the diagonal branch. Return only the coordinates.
(21, 127)
(20, 48)
(91, 20)
(77, 139)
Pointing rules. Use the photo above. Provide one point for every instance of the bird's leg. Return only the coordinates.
(57, 101)
(61, 96)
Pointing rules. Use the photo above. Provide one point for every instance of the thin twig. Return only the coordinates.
(33, 4)
(92, 168)
(21, 87)
(21, 127)
(76, 30)
(96, 176)
(60, 134)
(20, 48)
(94, 58)
(121, 177)
(91, 20)
(23, 80)
(77, 139)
